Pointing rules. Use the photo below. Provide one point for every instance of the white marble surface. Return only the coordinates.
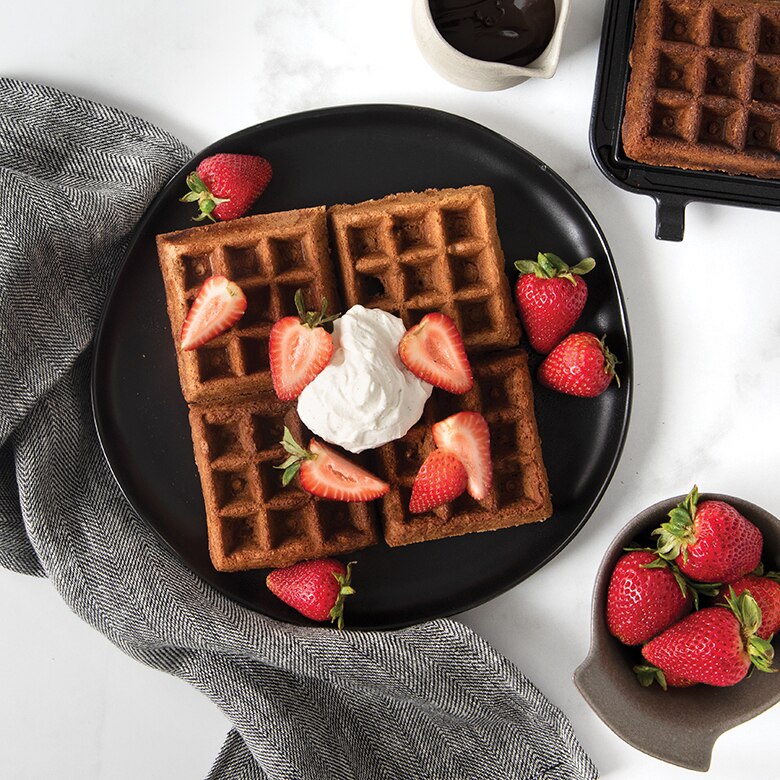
(703, 313)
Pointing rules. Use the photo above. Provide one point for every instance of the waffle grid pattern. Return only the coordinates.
(269, 257)
(705, 86)
(409, 254)
(503, 393)
(415, 253)
(253, 521)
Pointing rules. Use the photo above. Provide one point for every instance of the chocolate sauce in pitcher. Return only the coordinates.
(511, 31)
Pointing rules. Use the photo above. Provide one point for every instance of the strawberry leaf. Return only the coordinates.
(292, 446)
(292, 465)
(290, 472)
(648, 674)
(549, 266)
(584, 266)
(675, 535)
(747, 611)
(199, 192)
(345, 589)
(526, 266)
(313, 319)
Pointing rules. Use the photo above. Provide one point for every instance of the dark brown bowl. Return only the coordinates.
(678, 725)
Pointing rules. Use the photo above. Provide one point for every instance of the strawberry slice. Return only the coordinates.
(299, 349)
(326, 474)
(433, 350)
(466, 435)
(217, 307)
(441, 479)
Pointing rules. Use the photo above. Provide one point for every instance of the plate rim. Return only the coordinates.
(98, 341)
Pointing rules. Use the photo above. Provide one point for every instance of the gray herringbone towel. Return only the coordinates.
(432, 701)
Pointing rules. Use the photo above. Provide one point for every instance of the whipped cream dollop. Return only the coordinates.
(365, 397)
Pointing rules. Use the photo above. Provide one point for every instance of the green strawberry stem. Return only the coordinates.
(298, 455)
(647, 674)
(748, 613)
(697, 588)
(313, 319)
(675, 535)
(199, 192)
(550, 266)
(610, 361)
(345, 589)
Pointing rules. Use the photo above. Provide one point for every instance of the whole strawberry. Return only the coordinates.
(709, 540)
(715, 645)
(226, 185)
(580, 365)
(645, 595)
(550, 296)
(316, 589)
(766, 591)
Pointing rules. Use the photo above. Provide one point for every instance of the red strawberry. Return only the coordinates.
(467, 436)
(715, 645)
(550, 296)
(710, 541)
(226, 185)
(580, 365)
(766, 591)
(324, 473)
(217, 307)
(299, 349)
(316, 589)
(441, 479)
(645, 596)
(433, 350)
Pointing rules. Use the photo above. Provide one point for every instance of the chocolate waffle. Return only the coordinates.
(254, 522)
(704, 91)
(503, 393)
(414, 253)
(270, 256)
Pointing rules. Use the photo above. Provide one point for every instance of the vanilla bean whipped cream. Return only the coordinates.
(365, 397)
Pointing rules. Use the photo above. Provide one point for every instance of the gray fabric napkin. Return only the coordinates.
(433, 701)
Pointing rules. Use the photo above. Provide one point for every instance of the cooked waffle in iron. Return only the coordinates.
(269, 256)
(704, 91)
(503, 393)
(254, 522)
(414, 253)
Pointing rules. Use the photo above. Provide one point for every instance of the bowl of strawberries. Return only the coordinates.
(686, 606)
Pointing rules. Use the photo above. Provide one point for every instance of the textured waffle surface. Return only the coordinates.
(704, 91)
(254, 522)
(414, 253)
(503, 393)
(269, 256)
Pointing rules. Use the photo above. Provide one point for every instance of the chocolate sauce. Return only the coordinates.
(511, 31)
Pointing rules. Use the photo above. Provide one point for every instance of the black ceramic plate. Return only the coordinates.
(346, 155)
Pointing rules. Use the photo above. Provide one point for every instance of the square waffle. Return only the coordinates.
(503, 393)
(414, 253)
(254, 522)
(270, 256)
(704, 91)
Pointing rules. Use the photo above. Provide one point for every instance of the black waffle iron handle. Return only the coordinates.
(670, 217)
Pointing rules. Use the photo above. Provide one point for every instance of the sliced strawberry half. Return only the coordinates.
(326, 474)
(299, 348)
(441, 479)
(433, 350)
(467, 436)
(217, 307)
